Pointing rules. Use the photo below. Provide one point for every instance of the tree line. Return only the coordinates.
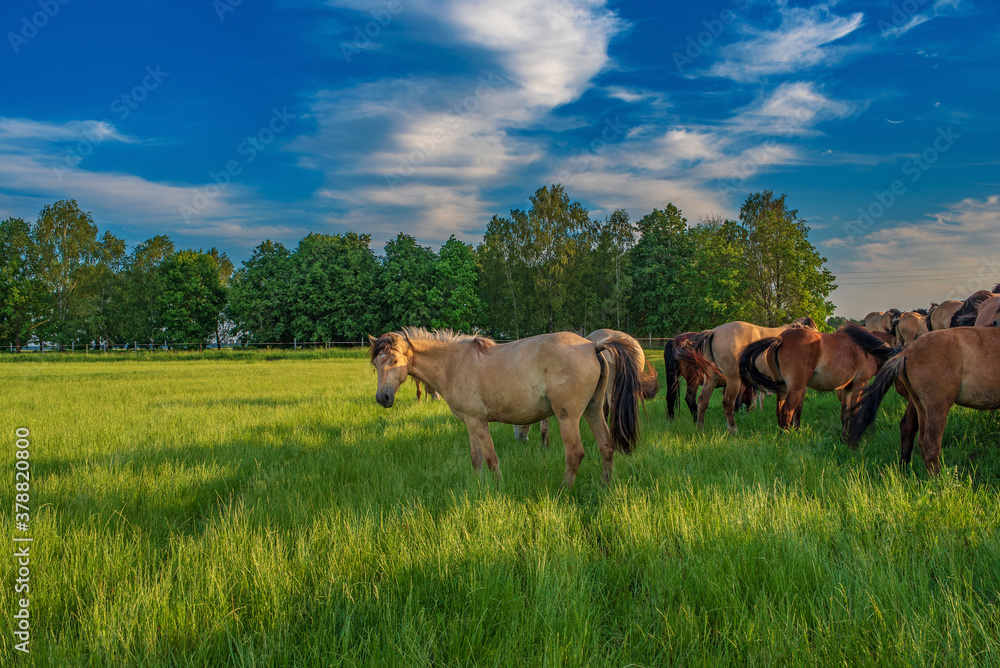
(548, 268)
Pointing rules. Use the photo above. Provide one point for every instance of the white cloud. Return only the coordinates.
(804, 39)
(429, 145)
(791, 108)
(953, 252)
(44, 161)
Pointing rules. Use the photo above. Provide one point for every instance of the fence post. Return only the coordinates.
(295, 344)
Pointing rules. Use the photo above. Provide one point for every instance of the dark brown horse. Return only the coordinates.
(941, 369)
(798, 359)
(521, 382)
(679, 364)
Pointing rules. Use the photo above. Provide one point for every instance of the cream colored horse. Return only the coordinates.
(882, 321)
(989, 313)
(939, 315)
(722, 346)
(521, 382)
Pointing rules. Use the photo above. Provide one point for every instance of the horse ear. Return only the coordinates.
(372, 339)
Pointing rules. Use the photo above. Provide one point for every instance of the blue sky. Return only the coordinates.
(224, 122)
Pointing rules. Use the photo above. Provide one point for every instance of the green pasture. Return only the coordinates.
(260, 509)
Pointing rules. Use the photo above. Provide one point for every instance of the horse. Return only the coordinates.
(941, 369)
(909, 327)
(989, 313)
(799, 358)
(521, 382)
(969, 311)
(722, 347)
(882, 321)
(679, 366)
(647, 379)
(939, 315)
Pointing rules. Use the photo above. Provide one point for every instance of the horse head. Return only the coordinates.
(390, 355)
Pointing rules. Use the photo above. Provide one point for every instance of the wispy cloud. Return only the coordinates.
(431, 145)
(804, 39)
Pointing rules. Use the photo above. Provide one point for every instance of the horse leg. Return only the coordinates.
(544, 427)
(932, 423)
(418, 390)
(599, 426)
(482, 446)
(706, 396)
(569, 430)
(780, 411)
(521, 432)
(907, 431)
(691, 398)
(793, 407)
(733, 388)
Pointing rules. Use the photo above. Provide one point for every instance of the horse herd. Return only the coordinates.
(935, 358)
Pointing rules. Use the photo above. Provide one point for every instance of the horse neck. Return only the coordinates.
(429, 362)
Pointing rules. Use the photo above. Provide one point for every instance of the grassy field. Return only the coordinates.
(260, 509)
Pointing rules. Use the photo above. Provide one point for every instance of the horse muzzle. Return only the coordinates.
(385, 398)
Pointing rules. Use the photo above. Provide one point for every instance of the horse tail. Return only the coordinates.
(871, 345)
(750, 374)
(872, 396)
(894, 315)
(698, 361)
(649, 383)
(625, 394)
(673, 375)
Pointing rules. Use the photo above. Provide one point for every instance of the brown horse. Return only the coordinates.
(678, 366)
(989, 313)
(521, 382)
(910, 326)
(882, 321)
(941, 369)
(798, 359)
(722, 346)
(647, 379)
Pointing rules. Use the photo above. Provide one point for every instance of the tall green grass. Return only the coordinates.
(263, 510)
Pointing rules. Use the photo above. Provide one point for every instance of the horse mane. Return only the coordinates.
(996, 288)
(390, 340)
(970, 307)
(483, 344)
(920, 311)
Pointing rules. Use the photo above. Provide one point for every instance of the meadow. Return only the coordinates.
(260, 509)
